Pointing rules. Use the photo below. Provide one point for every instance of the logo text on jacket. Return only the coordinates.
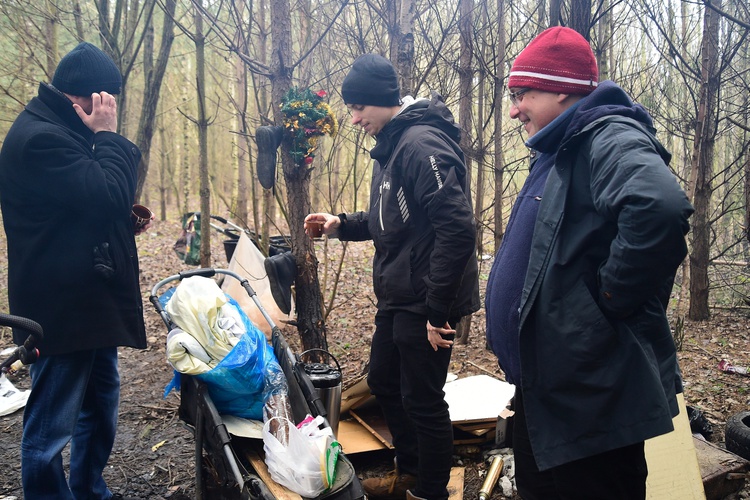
(433, 164)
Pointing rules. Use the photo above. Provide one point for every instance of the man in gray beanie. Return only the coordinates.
(67, 185)
(424, 270)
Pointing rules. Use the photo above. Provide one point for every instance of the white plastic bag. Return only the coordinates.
(11, 399)
(307, 463)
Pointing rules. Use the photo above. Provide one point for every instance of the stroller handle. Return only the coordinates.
(31, 326)
(206, 272)
(26, 353)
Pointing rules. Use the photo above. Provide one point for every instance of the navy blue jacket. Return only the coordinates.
(598, 367)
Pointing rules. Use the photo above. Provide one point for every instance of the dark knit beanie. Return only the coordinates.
(558, 60)
(371, 81)
(85, 70)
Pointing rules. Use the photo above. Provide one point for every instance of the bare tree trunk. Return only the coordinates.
(310, 323)
(466, 80)
(185, 178)
(50, 41)
(153, 78)
(499, 169)
(263, 221)
(163, 175)
(241, 143)
(78, 15)
(701, 164)
(480, 148)
(121, 41)
(604, 36)
(580, 17)
(202, 122)
(405, 58)
(555, 13)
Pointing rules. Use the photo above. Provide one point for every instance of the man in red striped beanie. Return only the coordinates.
(576, 298)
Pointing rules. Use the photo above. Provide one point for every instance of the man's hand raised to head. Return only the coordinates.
(101, 115)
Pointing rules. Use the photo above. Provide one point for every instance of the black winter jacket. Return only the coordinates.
(420, 217)
(65, 191)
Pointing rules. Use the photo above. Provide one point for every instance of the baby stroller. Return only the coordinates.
(232, 462)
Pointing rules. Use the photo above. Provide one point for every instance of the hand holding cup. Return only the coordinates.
(141, 217)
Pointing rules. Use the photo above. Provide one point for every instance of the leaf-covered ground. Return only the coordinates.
(153, 455)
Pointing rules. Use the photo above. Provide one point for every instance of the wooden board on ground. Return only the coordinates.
(279, 491)
(723, 472)
(356, 438)
(372, 419)
(456, 484)
(673, 472)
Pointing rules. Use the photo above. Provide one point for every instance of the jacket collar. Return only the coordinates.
(52, 105)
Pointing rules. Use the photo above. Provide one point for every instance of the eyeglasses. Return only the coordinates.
(517, 96)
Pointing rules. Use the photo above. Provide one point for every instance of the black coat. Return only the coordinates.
(598, 363)
(420, 217)
(65, 191)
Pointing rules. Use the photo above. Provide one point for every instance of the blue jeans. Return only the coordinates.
(407, 378)
(74, 399)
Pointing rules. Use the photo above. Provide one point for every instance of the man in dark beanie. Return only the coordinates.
(67, 185)
(576, 298)
(424, 270)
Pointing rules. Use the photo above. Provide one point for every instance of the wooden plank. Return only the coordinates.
(723, 472)
(279, 491)
(456, 484)
(479, 428)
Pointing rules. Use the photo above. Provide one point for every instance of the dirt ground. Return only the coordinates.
(153, 454)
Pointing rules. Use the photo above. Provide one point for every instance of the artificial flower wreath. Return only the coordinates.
(306, 118)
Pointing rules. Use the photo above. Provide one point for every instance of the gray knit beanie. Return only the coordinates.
(371, 81)
(85, 70)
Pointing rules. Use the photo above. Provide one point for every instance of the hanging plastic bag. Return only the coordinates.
(306, 463)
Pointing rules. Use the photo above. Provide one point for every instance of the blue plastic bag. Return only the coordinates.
(237, 385)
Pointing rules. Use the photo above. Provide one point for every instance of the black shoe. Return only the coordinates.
(268, 138)
(281, 270)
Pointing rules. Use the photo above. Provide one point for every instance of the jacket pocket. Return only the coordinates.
(591, 338)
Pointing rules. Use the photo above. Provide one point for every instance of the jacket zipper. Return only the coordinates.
(380, 209)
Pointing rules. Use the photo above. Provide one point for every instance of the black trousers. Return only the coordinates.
(616, 474)
(407, 378)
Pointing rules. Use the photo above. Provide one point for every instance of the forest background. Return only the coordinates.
(201, 76)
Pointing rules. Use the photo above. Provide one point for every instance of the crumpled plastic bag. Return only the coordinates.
(306, 463)
(11, 399)
(200, 308)
(218, 344)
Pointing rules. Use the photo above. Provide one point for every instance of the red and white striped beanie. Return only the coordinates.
(558, 60)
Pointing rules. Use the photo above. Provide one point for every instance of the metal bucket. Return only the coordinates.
(327, 382)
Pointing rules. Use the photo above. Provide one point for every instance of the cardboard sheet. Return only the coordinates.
(477, 398)
(247, 261)
(673, 472)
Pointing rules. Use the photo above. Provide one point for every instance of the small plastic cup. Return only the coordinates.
(315, 228)
(140, 216)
